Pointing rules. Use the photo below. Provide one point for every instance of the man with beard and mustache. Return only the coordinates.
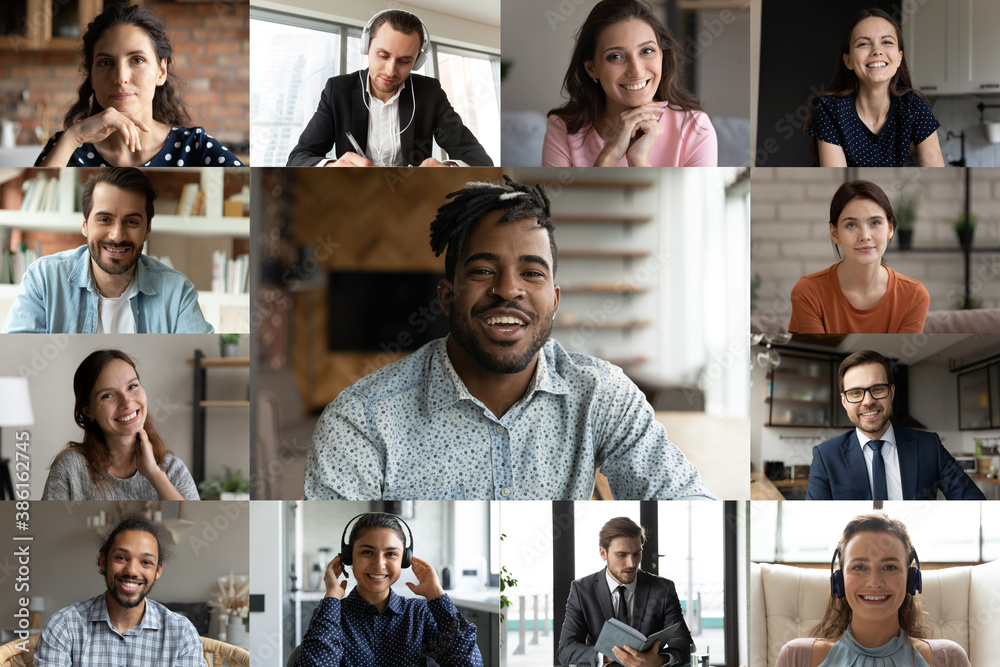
(108, 285)
(497, 410)
(877, 460)
(121, 626)
(393, 116)
(651, 604)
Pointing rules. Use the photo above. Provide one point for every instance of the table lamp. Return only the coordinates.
(15, 410)
(36, 606)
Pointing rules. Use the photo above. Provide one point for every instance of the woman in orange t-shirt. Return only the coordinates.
(859, 294)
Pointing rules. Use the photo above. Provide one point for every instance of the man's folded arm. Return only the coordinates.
(345, 462)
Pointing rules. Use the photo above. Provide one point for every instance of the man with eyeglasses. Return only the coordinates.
(879, 461)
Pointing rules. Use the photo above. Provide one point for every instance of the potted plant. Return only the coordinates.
(232, 601)
(965, 229)
(232, 486)
(228, 344)
(905, 210)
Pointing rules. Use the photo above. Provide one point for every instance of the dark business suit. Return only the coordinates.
(342, 109)
(839, 471)
(589, 605)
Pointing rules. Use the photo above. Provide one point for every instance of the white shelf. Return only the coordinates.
(176, 225)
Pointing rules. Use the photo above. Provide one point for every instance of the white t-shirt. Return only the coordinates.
(115, 314)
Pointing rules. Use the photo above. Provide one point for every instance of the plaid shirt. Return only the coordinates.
(81, 635)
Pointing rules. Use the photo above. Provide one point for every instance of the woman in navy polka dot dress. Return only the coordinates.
(870, 114)
(129, 112)
(373, 626)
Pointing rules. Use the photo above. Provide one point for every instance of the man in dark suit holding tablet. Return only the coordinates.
(384, 115)
(650, 605)
(877, 461)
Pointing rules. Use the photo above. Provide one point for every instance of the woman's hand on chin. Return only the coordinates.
(638, 153)
(145, 462)
(626, 133)
(100, 126)
(428, 586)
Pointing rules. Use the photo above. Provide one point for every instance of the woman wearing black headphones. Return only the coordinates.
(373, 625)
(874, 616)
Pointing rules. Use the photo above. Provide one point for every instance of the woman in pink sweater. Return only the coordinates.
(627, 105)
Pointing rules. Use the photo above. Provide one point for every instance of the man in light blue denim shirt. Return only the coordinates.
(496, 410)
(108, 285)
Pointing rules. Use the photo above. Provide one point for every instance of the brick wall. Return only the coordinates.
(790, 236)
(211, 59)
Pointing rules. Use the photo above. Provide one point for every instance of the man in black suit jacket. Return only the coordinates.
(651, 602)
(420, 111)
(877, 460)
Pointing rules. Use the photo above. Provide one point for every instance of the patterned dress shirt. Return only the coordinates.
(82, 635)
(353, 633)
(412, 431)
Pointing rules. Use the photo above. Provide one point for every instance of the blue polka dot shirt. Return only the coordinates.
(412, 431)
(910, 120)
(185, 147)
(352, 633)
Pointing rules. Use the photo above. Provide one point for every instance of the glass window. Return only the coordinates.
(471, 81)
(291, 64)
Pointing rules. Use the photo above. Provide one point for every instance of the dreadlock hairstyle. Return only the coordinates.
(456, 218)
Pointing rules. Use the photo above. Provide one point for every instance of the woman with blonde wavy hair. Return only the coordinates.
(874, 617)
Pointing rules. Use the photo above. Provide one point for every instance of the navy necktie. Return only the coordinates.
(880, 489)
(622, 614)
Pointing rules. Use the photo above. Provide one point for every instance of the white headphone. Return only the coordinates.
(425, 46)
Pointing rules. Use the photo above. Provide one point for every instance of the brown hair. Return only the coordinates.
(168, 107)
(621, 526)
(838, 611)
(586, 97)
(399, 20)
(125, 178)
(94, 448)
(859, 190)
(861, 358)
(845, 81)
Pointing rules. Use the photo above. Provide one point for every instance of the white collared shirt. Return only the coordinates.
(890, 454)
(629, 592)
(385, 141)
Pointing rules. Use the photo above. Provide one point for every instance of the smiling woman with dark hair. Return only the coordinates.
(627, 103)
(128, 111)
(121, 455)
(870, 113)
(859, 294)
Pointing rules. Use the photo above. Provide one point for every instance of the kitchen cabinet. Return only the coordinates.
(951, 46)
(979, 398)
(803, 392)
(44, 25)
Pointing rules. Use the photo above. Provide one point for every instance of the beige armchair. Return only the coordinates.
(962, 604)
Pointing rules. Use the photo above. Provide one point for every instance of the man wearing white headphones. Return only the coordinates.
(384, 115)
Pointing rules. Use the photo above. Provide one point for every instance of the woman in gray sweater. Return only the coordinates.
(121, 457)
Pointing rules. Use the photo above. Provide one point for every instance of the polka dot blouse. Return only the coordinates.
(184, 147)
(910, 120)
(353, 633)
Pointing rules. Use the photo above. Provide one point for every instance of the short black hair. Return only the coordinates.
(399, 20)
(375, 520)
(454, 219)
(862, 358)
(141, 524)
(126, 178)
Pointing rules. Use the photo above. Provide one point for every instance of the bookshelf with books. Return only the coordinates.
(200, 227)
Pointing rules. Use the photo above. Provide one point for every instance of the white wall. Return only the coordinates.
(63, 553)
(49, 362)
(444, 28)
(267, 546)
